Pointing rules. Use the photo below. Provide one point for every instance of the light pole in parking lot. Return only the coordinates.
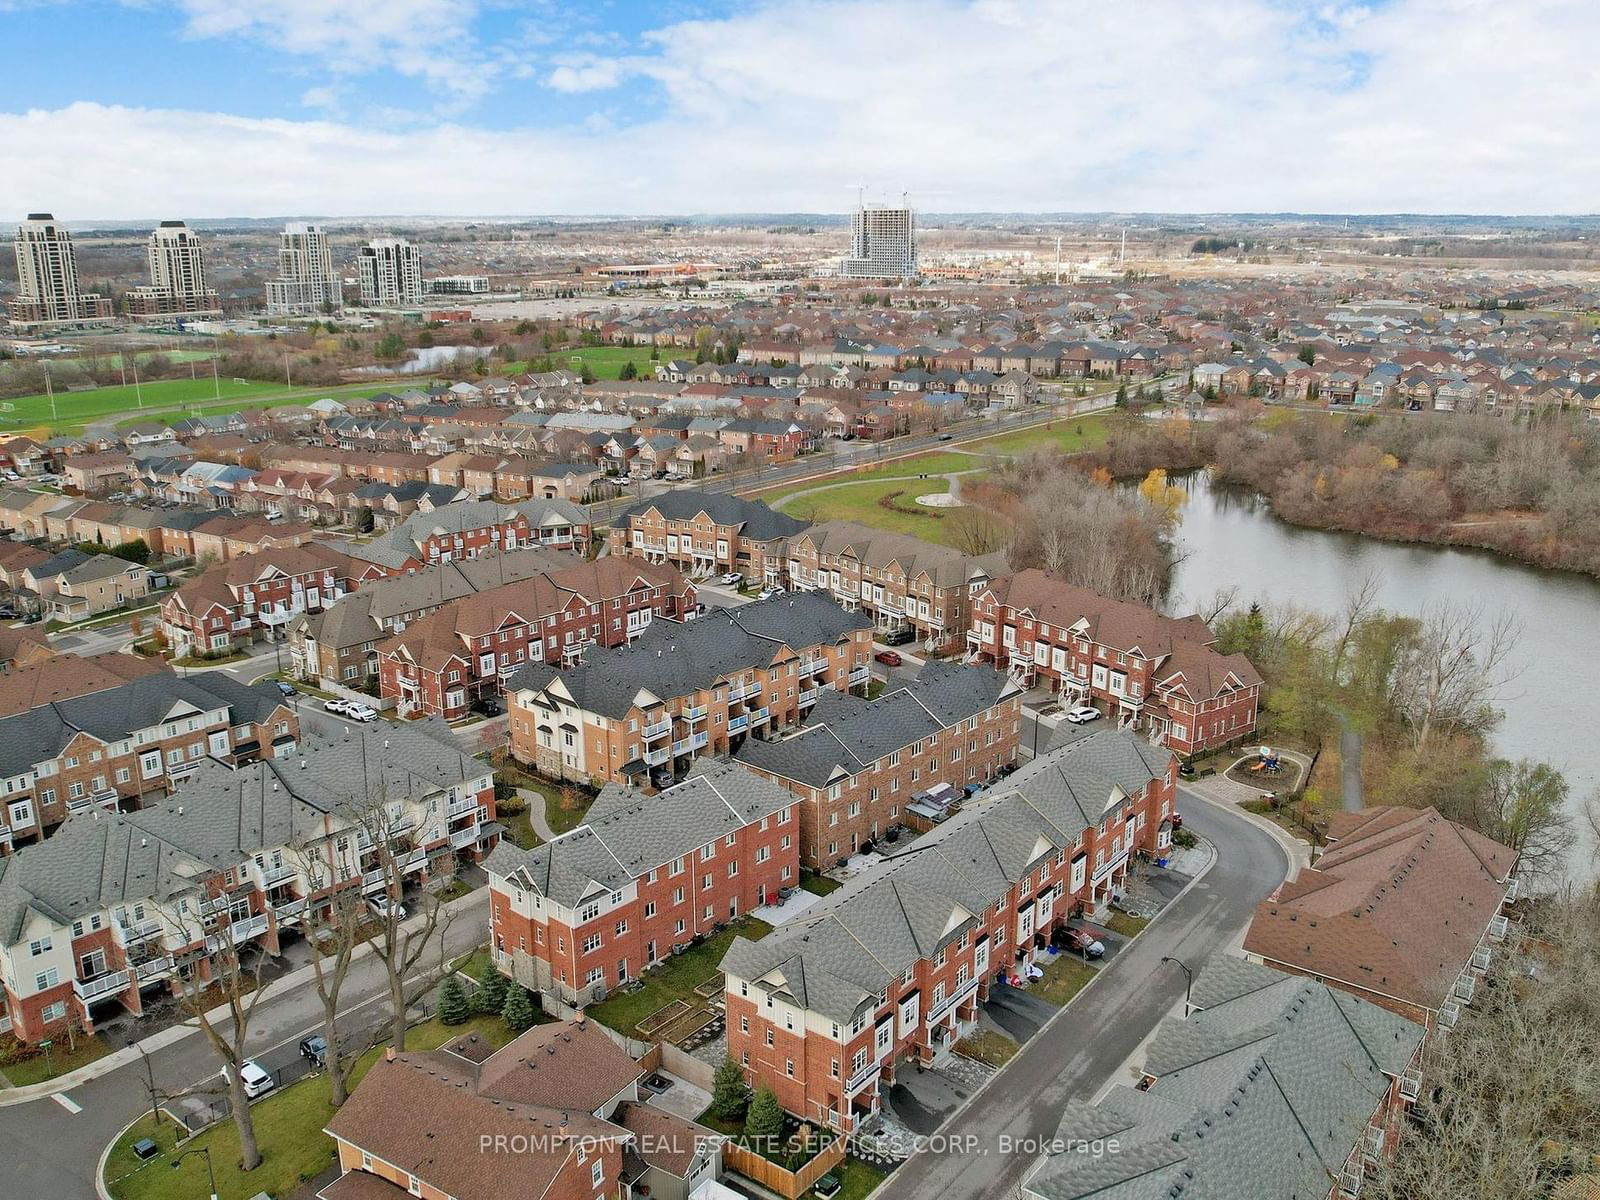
(206, 1150)
(1188, 979)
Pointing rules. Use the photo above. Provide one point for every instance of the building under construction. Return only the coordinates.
(883, 243)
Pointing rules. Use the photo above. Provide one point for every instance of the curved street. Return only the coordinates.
(1083, 1049)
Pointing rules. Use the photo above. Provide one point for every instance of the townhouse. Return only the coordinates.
(252, 595)
(95, 583)
(339, 643)
(106, 912)
(859, 766)
(1403, 908)
(1147, 671)
(640, 714)
(705, 533)
(63, 676)
(115, 746)
(22, 647)
(888, 971)
(1273, 1085)
(459, 656)
(898, 580)
(558, 1113)
(467, 530)
(642, 877)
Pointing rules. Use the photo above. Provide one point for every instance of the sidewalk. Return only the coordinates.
(297, 987)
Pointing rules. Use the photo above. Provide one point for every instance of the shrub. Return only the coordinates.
(518, 1011)
(453, 1008)
(491, 997)
(763, 1127)
(729, 1092)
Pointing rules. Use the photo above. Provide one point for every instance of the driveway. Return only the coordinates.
(1019, 1013)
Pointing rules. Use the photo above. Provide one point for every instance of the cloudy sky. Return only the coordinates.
(209, 108)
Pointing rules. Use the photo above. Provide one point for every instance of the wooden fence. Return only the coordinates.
(791, 1184)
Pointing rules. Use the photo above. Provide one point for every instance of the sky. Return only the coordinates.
(218, 108)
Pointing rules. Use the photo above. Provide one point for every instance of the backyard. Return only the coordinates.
(288, 1126)
(674, 983)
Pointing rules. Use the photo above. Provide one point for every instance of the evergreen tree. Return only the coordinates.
(518, 1012)
(763, 1128)
(629, 371)
(453, 1008)
(491, 997)
(729, 1094)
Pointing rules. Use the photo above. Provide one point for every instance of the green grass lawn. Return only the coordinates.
(1068, 434)
(988, 1046)
(859, 502)
(288, 1132)
(857, 1181)
(1129, 927)
(1064, 978)
(935, 462)
(605, 362)
(59, 1061)
(818, 885)
(676, 979)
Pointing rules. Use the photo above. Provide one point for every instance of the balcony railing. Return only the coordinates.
(289, 910)
(1466, 985)
(737, 724)
(101, 985)
(1498, 927)
(809, 696)
(974, 638)
(1411, 1084)
(659, 729)
(275, 875)
(152, 968)
(695, 713)
(862, 1077)
(745, 691)
(135, 931)
(463, 805)
(812, 667)
(655, 758)
(860, 675)
(465, 837)
(758, 716)
(934, 1014)
(1480, 959)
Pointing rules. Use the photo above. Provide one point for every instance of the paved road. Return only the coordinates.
(48, 1150)
(1083, 1050)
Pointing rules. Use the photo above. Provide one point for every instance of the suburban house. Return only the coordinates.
(640, 714)
(706, 533)
(235, 600)
(1145, 670)
(859, 767)
(896, 579)
(643, 876)
(1404, 908)
(467, 530)
(555, 1114)
(23, 646)
(118, 745)
(827, 1025)
(1273, 1085)
(461, 654)
(115, 903)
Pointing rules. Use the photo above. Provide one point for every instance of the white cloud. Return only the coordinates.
(1420, 105)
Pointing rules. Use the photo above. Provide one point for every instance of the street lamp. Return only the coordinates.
(1188, 977)
(206, 1150)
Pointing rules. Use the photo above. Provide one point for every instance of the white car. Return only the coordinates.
(342, 707)
(1083, 714)
(257, 1082)
(381, 905)
(357, 711)
(731, 579)
(769, 593)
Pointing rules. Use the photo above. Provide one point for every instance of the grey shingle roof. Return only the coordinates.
(849, 946)
(753, 518)
(1261, 1095)
(113, 713)
(627, 833)
(673, 658)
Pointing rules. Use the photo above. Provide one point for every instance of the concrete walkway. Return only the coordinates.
(537, 816)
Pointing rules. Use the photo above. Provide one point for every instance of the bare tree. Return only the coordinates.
(336, 928)
(223, 974)
(1223, 599)
(1453, 671)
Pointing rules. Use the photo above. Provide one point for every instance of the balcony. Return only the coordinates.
(1449, 1014)
(813, 666)
(1498, 927)
(153, 969)
(737, 724)
(745, 692)
(462, 806)
(862, 1077)
(1466, 985)
(1513, 891)
(137, 931)
(809, 696)
(759, 715)
(271, 876)
(1411, 1084)
(699, 741)
(373, 880)
(966, 993)
(1480, 959)
(656, 758)
(860, 675)
(974, 638)
(101, 985)
(465, 837)
(695, 713)
(659, 729)
(289, 910)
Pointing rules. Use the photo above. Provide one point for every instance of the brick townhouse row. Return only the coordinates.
(858, 765)
(467, 530)
(476, 462)
(890, 971)
(259, 593)
(706, 533)
(175, 532)
(642, 877)
(115, 746)
(641, 714)
(339, 643)
(109, 910)
(898, 580)
(1147, 671)
(462, 654)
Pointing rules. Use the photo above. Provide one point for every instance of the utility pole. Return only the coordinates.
(216, 381)
(49, 390)
(288, 380)
(138, 396)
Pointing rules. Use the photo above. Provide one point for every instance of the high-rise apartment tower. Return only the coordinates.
(307, 282)
(391, 274)
(47, 279)
(883, 243)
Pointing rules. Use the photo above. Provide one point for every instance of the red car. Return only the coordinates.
(888, 658)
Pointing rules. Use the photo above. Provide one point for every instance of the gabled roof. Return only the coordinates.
(752, 518)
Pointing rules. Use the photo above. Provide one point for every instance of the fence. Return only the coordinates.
(787, 1183)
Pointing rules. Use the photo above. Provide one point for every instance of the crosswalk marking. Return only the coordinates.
(67, 1102)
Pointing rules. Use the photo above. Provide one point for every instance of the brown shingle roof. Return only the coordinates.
(31, 685)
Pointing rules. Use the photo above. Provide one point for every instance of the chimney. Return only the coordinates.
(180, 810)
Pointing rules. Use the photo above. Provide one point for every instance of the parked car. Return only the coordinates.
(1083, 714)
(945, 437)
(357, 711)
(314, 1049)
(1080, 941)
(336, 705)
(768, 593)
(488, 706)
(1186, 770)
(287, 689)
(381, 906)
(899, 637)
(256, 1080)
(888, 658)
(731, 579)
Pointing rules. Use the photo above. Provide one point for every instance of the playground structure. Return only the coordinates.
(1266, 763)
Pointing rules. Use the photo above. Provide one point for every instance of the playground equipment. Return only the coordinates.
(1267, 763)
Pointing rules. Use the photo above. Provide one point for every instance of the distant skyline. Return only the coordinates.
(212, 108)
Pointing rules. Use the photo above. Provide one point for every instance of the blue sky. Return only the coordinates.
(476, 107)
